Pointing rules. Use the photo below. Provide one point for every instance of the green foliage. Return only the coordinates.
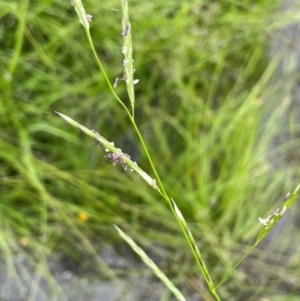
(206, 86)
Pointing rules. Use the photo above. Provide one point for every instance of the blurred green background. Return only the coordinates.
(215, 103)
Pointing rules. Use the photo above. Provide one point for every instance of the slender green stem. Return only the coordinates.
(104, 73)
(149, 158)
(192, 245)
(236, 265)
(201, 265)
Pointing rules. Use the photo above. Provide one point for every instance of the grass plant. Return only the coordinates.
(207, 107)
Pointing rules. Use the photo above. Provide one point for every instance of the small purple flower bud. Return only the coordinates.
(126, 30)
(275, 212)
(89, 18)
(117, 158)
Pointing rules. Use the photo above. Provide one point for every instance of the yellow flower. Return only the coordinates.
(83, 217)
(24, 241)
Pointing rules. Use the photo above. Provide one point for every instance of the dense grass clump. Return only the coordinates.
(211, 108)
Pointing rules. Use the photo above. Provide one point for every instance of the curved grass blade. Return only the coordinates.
(116, 154)
(157, 271)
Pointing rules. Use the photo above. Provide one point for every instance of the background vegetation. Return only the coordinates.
(213, 109)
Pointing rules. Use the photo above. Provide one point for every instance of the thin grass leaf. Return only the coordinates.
(158, 272)
(119, 157)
